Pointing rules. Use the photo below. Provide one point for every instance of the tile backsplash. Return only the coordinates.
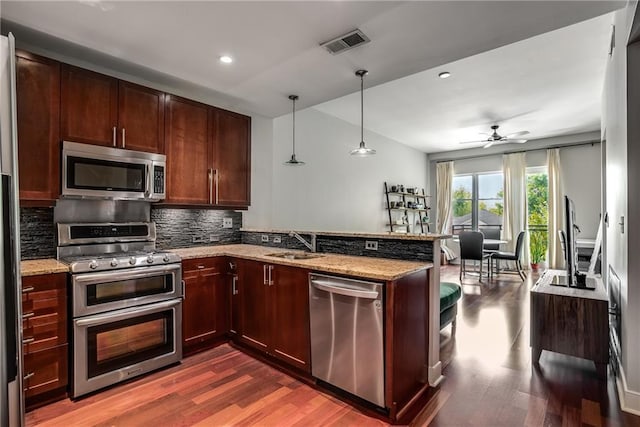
(176, 228)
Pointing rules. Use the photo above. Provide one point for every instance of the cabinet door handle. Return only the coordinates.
(28, 289)
(184, 289)
(210, 173)
(114, 136)
(270, 275)
(29, 375)
(234, 285)
(200, 266)
(124, 138)
(264, 275)
(28, 315)
(217, 177)
(28, 340)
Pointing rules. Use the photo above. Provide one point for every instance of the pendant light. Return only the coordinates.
(293, 161)
(362, 150)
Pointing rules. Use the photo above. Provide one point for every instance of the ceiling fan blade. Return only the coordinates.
(489, 144)
(473, 142)
(513, 135)
(516, 141)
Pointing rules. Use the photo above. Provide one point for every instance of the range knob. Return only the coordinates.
(132, 260)
(114, 262)
(166, 258)
(93, 264)
(150, 259)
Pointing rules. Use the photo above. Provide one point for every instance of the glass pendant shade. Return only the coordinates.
(362, 150)
(293, 161)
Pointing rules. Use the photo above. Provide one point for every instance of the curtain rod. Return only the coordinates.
(592, 143)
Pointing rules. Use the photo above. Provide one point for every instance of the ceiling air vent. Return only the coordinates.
(345, 42)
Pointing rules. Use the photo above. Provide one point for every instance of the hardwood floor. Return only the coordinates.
(489, 382)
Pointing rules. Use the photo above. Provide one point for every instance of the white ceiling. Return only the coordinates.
(549, 85)
(276, 45)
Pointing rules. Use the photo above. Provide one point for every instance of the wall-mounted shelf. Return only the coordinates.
(401, 213)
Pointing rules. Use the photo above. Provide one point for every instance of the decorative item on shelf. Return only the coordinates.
(403, 201)
(293, 161)
(362, 150)
(394, 188)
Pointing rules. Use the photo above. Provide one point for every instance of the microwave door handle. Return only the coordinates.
(147, 175)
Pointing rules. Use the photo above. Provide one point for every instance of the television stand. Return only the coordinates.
(570, 320)
(590, 283)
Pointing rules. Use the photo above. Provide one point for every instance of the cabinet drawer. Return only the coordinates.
(40, 307)
(45, 370)
(44, 287)
(212, 265)
(44, 331)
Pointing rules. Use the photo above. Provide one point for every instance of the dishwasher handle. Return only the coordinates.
(327, 286)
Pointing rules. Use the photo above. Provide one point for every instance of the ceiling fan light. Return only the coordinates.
(363, 151)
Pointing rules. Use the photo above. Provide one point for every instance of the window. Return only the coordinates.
(478, 203)
(538, 213)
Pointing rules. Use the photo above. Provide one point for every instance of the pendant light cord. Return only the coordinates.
(361, 107)
(294, 126)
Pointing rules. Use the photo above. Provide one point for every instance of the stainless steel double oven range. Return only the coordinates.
(126, 302)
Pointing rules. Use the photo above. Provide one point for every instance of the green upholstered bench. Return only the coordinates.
(450, 293)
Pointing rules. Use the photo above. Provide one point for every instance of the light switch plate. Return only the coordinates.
(277, 239)
(227, 222)
(264, 238)
(214, 238)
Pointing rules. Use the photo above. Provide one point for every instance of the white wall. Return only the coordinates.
(259, 213)
(583, 188)
(619, 187)
(335, 191)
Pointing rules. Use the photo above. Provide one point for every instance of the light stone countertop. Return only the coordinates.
(35, 267)
(357, 266)
(383, 235)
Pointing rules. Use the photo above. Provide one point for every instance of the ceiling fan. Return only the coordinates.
(494, 138)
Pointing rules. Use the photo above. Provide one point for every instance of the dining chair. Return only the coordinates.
(471, 248)
(512, 256)
(492, 233)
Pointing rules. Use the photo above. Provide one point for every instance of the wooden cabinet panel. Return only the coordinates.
(206, 306)
(187, 149)
(45, 370)
(274, 318)
(141, 116)
(38, 104)
(254, 317)
(89, 106)
(231, 144)
(290, 313)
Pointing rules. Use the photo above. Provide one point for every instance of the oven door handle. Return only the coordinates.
(126, 313)
(129, 273)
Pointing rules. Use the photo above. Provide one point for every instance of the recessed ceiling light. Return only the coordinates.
(444, 74)
(226, 59)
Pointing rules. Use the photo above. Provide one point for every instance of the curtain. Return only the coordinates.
(444, 182)
(556, 220)
(514, 219)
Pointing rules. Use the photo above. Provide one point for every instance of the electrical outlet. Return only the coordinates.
(277, 239)
(214, 238)
(198, 239)
(264, 238)
(227, 222)
(371, 245)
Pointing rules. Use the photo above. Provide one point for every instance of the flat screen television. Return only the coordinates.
(568, 241)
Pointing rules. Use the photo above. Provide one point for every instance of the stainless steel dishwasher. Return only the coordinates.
(347, 344)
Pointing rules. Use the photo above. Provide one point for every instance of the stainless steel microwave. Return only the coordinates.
(92, 171)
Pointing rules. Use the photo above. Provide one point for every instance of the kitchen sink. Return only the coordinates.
(295, 255)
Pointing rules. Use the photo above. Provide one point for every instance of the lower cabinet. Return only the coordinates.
(205, 313)
(45, 342)
(274, 311)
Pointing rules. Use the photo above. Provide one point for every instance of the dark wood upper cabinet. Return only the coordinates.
(38, 89)
(89, 107)
(231, 143)
(140, 118)
(188, 152)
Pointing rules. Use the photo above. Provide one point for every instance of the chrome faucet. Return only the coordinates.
(311, 246)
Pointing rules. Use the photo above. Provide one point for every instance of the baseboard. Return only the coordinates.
(435, 374)
(629, 399)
